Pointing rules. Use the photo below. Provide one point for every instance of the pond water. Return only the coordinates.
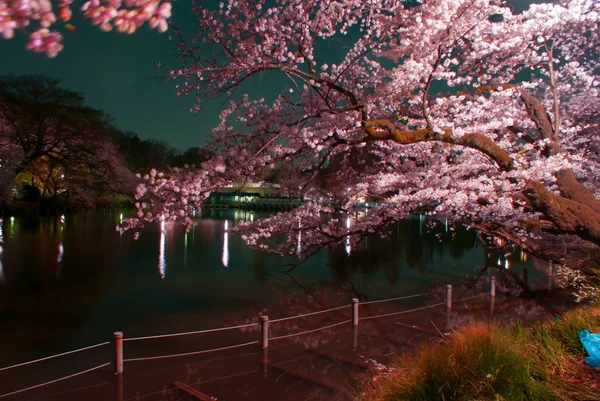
(70, 281)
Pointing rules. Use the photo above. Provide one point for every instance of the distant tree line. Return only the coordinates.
(56, 150)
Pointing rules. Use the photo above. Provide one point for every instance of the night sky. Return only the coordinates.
(116, 73)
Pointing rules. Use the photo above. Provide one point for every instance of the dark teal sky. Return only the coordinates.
(116, 73)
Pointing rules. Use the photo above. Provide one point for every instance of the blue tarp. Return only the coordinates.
(591, 343)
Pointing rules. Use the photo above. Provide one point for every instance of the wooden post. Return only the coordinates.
(265, 362)
(449, 296)
(264, 325)
(118, 387)
(355, 305)
(118, 337)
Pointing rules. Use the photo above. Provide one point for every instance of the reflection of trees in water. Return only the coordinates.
(414, 239)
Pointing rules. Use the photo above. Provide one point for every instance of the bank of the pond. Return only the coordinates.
(487, 362)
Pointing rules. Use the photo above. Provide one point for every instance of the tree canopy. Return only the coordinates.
(61, 145)
(458, 108)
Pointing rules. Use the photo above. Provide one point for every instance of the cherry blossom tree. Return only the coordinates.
(460, 109)
(125, 16)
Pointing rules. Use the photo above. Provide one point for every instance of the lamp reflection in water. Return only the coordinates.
(185, 245)
(347, 239)
(299, 244)
(2, 279)
(225, 257)
(162, 263)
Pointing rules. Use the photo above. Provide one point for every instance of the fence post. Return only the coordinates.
(118, 337)
(449, 296)
(355, 304)
(264, 325)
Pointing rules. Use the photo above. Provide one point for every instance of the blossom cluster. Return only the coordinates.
(124, 15)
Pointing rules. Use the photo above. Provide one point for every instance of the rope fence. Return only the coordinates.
(283, 319)
(118, 338)
(395, 299)
(54, 356)
(206, 351)
(55, 380)
(190, 332)
(310, 331)
(402, 312)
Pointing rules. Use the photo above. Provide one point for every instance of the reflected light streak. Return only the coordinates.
(347, 246)
(61, 252)
(299, 245)
(185, 245)
(506, 264)
(162, 263)
(225, 257)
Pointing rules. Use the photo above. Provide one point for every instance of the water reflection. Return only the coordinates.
(103, 271)
(225, 256)
(162, 263)
(347, 245)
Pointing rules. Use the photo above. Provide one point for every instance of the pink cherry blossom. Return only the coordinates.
(509, 145)
(17, 15)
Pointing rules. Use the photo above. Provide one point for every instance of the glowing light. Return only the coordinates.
(162, 262)
(62, 221)
(523, 257)
(225, 256)
(121, 218)
(446, 223)
(506, 264)
(61, 252)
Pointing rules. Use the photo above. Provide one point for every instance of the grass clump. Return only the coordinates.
(476, 363)
(489, 363)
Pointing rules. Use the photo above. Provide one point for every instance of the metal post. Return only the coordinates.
(118, 337)
(449, 296)
(264, 325)
(355, 312)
